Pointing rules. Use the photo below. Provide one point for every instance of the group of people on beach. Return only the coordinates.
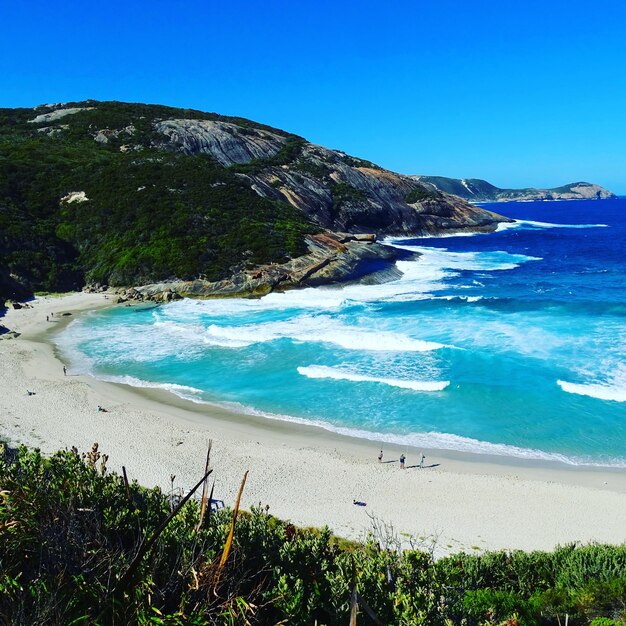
(403, 459)
(402, 466)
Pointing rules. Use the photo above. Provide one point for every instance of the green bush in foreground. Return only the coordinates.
(69, 530)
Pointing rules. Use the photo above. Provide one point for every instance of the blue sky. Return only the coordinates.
(521, 93)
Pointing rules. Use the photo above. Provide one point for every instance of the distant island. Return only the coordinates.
(120, 194)
(477, 190)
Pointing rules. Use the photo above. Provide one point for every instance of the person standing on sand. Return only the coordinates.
(402, 460)
(422, 458)
(64, 371)
(380, 457)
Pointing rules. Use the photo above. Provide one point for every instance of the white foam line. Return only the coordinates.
(488, 261)
(598, 391)
(322, 371)
(521, 223)
(432, 440)
(306, 329)
(182, 391)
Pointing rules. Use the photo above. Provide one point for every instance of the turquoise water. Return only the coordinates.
(510, 343)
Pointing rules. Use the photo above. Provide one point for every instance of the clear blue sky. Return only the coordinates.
(518, 92)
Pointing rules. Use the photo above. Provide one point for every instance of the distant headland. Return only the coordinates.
(478, 190)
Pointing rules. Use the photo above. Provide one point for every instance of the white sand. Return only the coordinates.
(303, 473)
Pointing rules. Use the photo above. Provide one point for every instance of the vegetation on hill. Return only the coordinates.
(69, 531)
(149, 213)
(129, 194)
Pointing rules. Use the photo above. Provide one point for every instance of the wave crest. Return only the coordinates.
(532, 225)
(304, 329)
(323, 371)
(615, 393)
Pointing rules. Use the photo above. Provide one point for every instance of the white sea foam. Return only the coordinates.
(182, 391)
(316, 329)
(533, 224)
(420, 278)
(613, 389)
(433, 440)
(323, 371)
(441, 259)
(502, 226)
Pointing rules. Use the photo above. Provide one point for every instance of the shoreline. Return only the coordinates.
(305, 473)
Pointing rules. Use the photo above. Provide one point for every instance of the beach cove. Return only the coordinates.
(305, 474)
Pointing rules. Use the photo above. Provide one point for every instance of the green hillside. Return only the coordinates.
(129, 194)
(150, 214)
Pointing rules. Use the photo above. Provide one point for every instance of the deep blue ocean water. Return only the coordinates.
(510, 343)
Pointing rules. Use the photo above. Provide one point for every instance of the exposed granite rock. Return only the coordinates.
(334, 190)
(226, 143)
(6, 333)
(332, 257)
(53, 116)
(104, 135)
(75, 196)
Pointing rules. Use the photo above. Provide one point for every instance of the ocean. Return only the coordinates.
(511, 343)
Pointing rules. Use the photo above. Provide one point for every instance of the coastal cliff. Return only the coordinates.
(477, 190)
(133, 194)
(331, 258)
(332, 189)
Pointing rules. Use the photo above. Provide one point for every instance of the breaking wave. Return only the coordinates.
(614, 389)
(531, 224)
(335, 373)
(435, 440)
(304, 329)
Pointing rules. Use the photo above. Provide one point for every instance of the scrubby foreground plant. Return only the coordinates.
(79, 545)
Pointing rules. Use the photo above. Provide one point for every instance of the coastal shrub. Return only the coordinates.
(344, 192)
(494, 605)
(418, 194)
(70, 528)
(312, 168)
(288, 153)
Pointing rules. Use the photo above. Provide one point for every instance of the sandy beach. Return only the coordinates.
(304, 473)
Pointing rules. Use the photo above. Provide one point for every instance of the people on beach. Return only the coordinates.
(380, 457)
(359, 503)
(402, 460)
(30, 393)
(102, 409)
(422, 459)
(47, 318)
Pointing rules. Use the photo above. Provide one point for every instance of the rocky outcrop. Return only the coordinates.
(226, 143)
(59, 113)
(334, 190)
(332, 258)
(6, 333)
(75, 196)
(477, 190)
